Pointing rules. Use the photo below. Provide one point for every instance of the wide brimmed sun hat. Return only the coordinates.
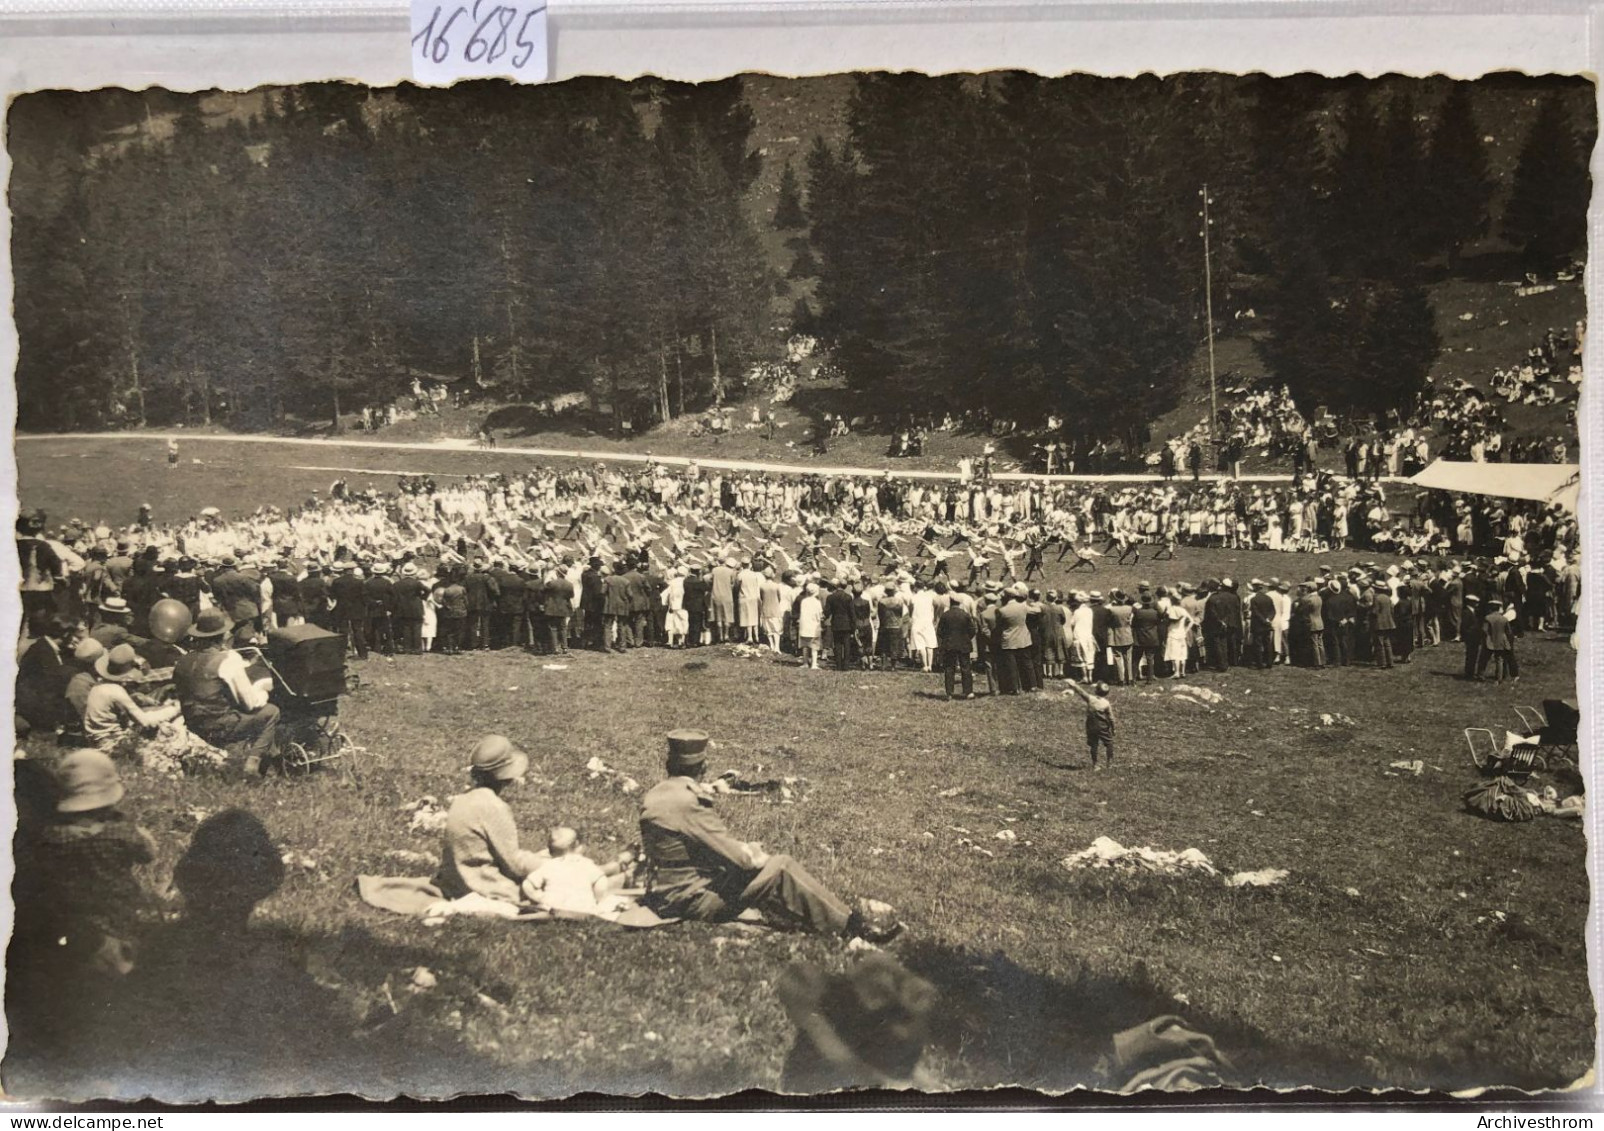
(120, 665)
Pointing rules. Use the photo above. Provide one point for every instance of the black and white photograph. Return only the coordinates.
(867, 581)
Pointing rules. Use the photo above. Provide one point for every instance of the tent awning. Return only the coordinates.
(1543, 482)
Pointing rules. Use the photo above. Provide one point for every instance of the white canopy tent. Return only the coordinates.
(1544, 482)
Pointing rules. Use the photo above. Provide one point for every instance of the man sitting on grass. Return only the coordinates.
(699, 871)
(220, 701)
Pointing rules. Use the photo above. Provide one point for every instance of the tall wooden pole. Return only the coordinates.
(1208, 300)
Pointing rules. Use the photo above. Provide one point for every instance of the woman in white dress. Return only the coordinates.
(772, 606)
(809, 625)
(1082, 640)
(922, 637)
(431, 616)
(1175, 640)
(678, 621)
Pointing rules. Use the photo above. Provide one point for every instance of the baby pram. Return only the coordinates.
(307, 665)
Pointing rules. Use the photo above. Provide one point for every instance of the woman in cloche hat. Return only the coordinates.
(78, 896)
(481, 854)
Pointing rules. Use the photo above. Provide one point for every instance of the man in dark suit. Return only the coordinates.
(1308, 623)
(350, 607)
(314, 594)
(1515, 594)
(640, 605)
(1233, 624)
(1341, 616)
(698, 593)
(238, 596)
(615, 611)
(657, 618)
(838, 615)
(1017, 670)
(43, 672)
(1473, 631)
(1218, 608)
(410, 594)
(1102, 625)
(557, 607)
(955, 637)
(1147, 633)
(592, 598)
(1261, 614)
(287, 607)
(482, 592)
(380, 593)
(142, 590)
(507, 621)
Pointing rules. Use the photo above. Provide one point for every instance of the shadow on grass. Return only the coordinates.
(1004, 1024)
(1061, 765)
(202, 1023)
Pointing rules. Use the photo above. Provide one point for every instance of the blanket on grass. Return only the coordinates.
(418, 896)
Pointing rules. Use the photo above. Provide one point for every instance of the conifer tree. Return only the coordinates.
(788, 214)
(1546, 216)
(1456, 185)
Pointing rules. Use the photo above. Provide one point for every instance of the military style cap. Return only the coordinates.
(687, 750)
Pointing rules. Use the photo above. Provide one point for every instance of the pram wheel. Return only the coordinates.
(297, 759)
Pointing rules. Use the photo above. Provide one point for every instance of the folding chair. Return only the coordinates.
(1481, 756)
(1487, 754)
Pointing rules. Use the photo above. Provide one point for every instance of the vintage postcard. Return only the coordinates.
(862, 581)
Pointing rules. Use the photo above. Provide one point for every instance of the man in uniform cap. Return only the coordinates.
(699, 871)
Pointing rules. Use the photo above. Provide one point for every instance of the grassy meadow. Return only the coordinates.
(1412, 946)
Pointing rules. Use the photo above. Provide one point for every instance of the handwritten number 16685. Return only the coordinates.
(492, 37)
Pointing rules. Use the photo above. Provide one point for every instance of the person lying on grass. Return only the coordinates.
(572, 882)
(699, 871)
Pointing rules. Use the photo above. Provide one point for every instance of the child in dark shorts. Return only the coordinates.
(1099, 721)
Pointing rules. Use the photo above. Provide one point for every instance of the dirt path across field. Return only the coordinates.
(621, 457)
